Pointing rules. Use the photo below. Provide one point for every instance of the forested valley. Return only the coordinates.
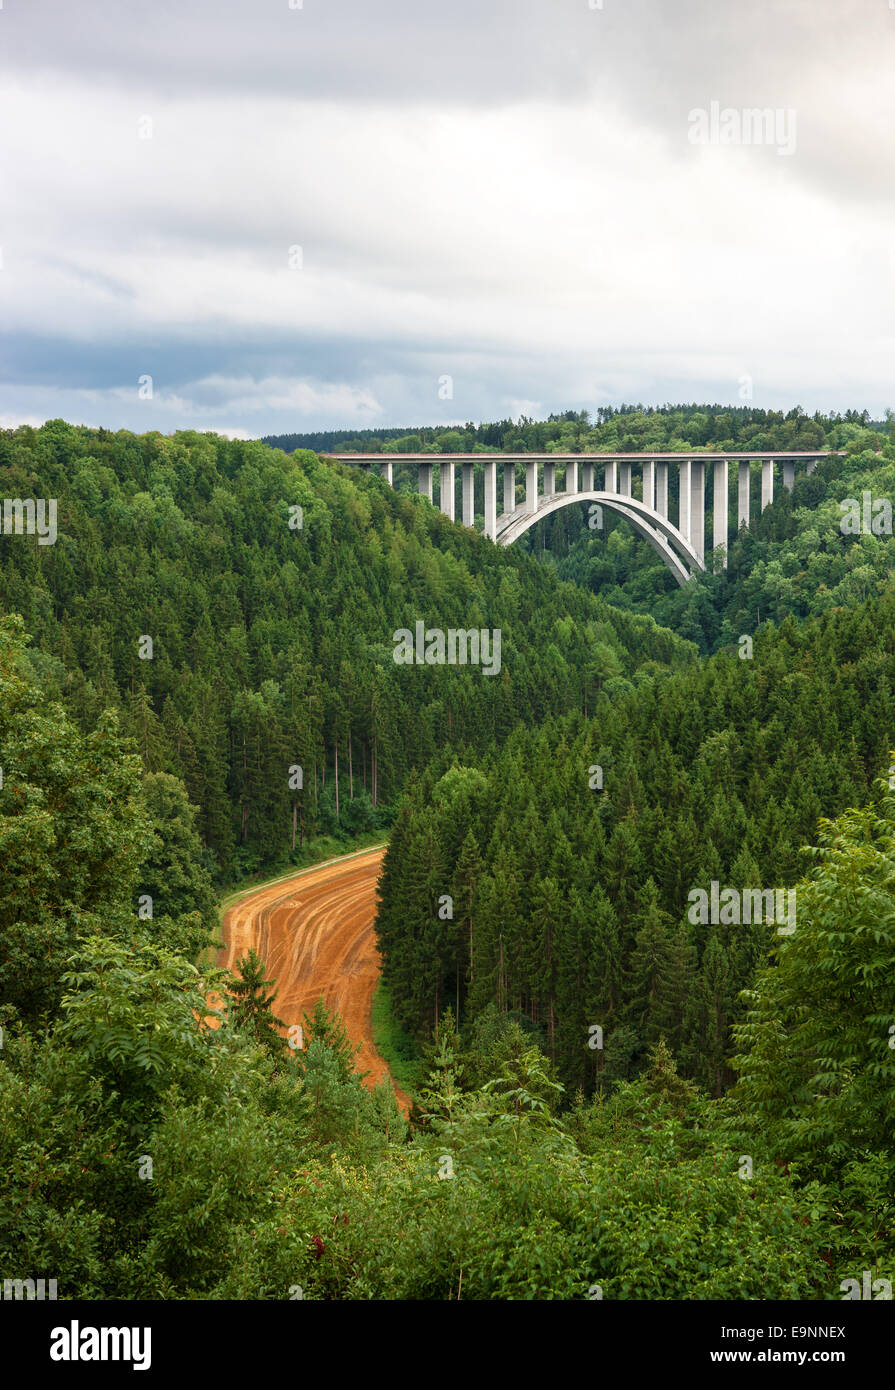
(270, 589)
(610, 1098)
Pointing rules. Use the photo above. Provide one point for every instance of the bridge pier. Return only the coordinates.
(662, 489)
(468, 485)
(684, 498)
(649, 484)
(491, 498)
(767, 482)
(744, 482)
(720, 482)
(446, 500)
(682, 546)
(531, 485)
(509, 487)
(697, 507)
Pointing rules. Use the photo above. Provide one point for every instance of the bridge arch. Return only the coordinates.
(681, 547)
(665, 539)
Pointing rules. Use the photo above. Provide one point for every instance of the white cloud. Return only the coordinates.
(12, 422)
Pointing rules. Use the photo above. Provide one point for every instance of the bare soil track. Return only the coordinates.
(314, 932)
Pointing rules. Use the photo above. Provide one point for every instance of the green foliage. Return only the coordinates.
(570, 905)
(392, 1042)
(131, 1014)
(147, 1154)
(815, 1059)
(273, 645)
(73, 832)
(252, 1006)
(626, 428)
(174, 873)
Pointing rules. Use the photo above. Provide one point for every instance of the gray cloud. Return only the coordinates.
(505, 192)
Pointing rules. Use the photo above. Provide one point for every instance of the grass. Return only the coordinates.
(392, 1043)
(316, 852)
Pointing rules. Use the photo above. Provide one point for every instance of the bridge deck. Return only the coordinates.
(681, 546)
(645, 456)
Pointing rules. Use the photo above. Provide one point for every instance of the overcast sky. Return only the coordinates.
(507, 193)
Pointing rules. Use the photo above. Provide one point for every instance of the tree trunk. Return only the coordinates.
(336, 746)
(245, 770)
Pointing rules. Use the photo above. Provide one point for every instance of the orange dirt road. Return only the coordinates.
(315, 934)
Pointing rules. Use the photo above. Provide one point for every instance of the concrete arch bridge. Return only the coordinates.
(680, 541)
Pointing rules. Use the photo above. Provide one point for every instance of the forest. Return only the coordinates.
(216, 613)
(626, 428)
(272, 642)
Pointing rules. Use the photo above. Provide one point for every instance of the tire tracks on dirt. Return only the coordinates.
(314, 932)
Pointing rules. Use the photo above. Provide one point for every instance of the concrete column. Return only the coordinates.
(789, 473)
(385, 471)
(719, 505)
(587, 477)
(812, 464)
(549, 479)
(424, 474)
(491, 498)
(531, 485)
(611, 475)
(572, 476)
(624, 479)
(662, 489)
(468, 495)
(743, 486)
(509, 487)
(446, 490)
(683, 501)
(649, 484)
(767, 482)
(697, 506)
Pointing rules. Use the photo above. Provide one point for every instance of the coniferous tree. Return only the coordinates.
(252, 1007)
